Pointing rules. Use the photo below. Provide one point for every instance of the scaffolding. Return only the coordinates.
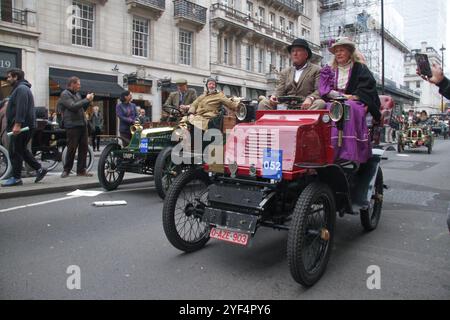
(358, 20)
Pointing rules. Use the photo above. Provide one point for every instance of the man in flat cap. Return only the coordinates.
(179, 99)
(301, 79)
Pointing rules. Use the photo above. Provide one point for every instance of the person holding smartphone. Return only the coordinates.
(73, 107)
(438, 78)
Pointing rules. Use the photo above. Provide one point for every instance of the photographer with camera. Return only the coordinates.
(438, 79)
(72, 108)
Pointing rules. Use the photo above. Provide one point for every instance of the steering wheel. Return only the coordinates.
(172, 111)
(293, 102)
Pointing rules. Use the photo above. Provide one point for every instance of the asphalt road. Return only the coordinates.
(122, 252)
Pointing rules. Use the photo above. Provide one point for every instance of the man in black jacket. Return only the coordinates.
(19, 115)
(72, 108)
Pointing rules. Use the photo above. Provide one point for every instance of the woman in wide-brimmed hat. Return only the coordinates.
(348, 77)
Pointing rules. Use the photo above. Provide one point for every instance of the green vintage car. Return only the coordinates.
(149, 153)
(416, 137)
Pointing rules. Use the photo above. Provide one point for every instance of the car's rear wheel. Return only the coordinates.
(400, 147)
(89, 158)
(109, 175)
(165, 172)
(5, 164)
(49, 164)
(311, 234)
(182, 211)
(371, 217)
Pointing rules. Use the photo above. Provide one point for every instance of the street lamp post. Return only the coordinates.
(382, 47)
(442, 97)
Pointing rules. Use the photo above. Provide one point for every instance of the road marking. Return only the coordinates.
(72, 195)
(38, 204)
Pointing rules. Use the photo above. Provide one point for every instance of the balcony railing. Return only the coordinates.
(15, 16)
(158, 4)
(292, 5)
(190, 11)
(257, 24)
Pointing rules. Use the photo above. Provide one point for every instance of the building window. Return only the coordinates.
(272, 61)
(228, 3)
(237, 51)
(282, 24)
(282, 63)
(140, 38)
(302, 6)
(272, 20)
(306, 33)
(291, 28)
(225, 51)
(186, 47)
(262, 15)
(249, 9)
(249, 58)
(261, 61)
(82, 24)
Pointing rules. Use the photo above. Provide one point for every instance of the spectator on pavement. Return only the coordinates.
(96, 125)
(20, 114)
(72, 107)
(126, 111)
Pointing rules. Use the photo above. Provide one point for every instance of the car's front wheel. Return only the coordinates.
(310, 237)
(183, 209)
(109, 175)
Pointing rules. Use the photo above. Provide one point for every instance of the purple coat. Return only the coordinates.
(127, 115)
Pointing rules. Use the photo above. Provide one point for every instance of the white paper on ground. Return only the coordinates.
(109, 203)
(403, 155)
(84, 193)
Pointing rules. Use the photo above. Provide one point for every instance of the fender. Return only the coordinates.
(333, 175)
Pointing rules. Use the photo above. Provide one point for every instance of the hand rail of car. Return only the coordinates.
(245, 181)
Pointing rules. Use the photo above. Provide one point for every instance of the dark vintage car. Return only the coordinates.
(48, 145)
(279, 172)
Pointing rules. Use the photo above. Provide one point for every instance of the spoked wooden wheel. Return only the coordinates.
(371, 217)
(165, 172)
(5, 164)
(109, 175)
(183, 209)
(311, 234)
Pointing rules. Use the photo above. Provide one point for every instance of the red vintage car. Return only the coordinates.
(280, 172)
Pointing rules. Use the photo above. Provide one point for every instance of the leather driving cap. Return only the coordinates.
(301, 43)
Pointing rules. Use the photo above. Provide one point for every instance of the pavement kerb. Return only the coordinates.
(64, 188)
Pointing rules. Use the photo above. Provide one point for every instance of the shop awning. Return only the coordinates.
(101, 85)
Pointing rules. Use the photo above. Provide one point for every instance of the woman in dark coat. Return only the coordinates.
(352, 79)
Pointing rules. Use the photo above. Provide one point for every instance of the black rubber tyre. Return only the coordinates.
(89, 158)
(5, 164)
(165, 172)
(108, 175)
(371, 218)
(312, 227)
(180, 203)
(47, 164)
